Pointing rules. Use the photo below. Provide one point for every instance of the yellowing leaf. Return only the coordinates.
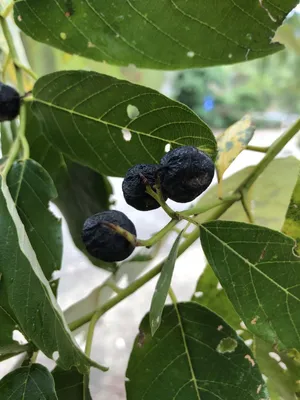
(291, 226)
(286, 35)
(232, 142)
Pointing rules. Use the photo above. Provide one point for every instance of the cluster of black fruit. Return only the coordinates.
(183, 174)
(10, 102)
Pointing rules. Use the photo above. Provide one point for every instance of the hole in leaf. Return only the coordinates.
(126, 135)
(250, 359)
(227, 345)
(167, 147)
(243, 326)
(63, 35)
(275, 356)
(283, 366)
(55, 355)
(132, 111)
(219, 286)
(198, 294)
(19, 337)
(190, 54)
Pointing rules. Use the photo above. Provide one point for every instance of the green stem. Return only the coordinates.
(200, 209)
(161, 201)
(272, 152)
(5, 13)
(193, 236)
(257, 148)
(6, 138)
(14, 128)
(22, 129)
(13, 52)
(27, 70)
(11, 158)
(90, 334)
(247, 207)
(159, 235)
(172, 296)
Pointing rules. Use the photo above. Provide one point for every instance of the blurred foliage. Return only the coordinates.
(222, 95)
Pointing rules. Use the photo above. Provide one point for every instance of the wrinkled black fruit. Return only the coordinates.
(134, 186)
(10, 103)
(103, 242)
(185, 173)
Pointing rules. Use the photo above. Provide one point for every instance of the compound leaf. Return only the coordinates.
(85, 116)
(291, 226)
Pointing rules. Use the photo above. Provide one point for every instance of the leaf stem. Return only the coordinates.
(7, 10)
(22, 128)
(172, 296)
(13, 52)
(272, 152)
(247, 206)
(200, 209)
(257, 148)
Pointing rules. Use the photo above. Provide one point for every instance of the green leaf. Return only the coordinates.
(209, 295)
(28, 383)
(147, 34)
(162, 287)
(182, 361)
(84, 116)
(261, 275)
(31, 189)
(12, 350)
(70, 385)
(274, 183)
(28, 292)
(287, 36)
(232, 142)
(291, 226)
(82, 192)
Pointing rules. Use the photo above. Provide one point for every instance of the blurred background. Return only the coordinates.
(267, 88)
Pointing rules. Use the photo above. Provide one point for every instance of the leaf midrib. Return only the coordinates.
(194, 380)
(89, 117)
(250, 264)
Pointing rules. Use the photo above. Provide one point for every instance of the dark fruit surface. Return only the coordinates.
(185, 173)
(10, 103)
(134, 186)
(103, 242)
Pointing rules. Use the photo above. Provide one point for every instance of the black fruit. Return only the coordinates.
(134, 186)
(10, 103)
(185, 173)
(104, 243)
